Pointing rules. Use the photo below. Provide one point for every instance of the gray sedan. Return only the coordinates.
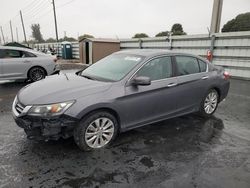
(22, 63)
(125, 90)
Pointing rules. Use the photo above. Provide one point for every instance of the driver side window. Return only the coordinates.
(157, 69)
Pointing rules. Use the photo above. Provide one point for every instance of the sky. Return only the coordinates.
(113, 18)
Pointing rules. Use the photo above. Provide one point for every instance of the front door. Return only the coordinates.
(151, 103)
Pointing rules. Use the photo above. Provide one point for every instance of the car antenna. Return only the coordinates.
(66, 76)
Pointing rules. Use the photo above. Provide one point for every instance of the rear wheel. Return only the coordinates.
(96, 131)
(209, 103)
(36, 74)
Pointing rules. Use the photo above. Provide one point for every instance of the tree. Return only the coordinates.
(177, 29)
(69, 39)
(36, 33)
(239, 23)
(50, 40)
(163, 34)
(85, 36)
(30, 42)
(140, 35)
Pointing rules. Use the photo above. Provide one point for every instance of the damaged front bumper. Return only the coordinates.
(38, 128)
(43, 128)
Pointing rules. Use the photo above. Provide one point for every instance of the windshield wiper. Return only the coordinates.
(96, 78)
(88, 77)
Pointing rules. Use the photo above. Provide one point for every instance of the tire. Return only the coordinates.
(36, 74)
(209, 104)
(89, 136)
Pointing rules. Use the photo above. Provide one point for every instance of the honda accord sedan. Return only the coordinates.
(22, 63)
(125, 90)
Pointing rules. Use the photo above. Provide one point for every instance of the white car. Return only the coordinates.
(23, 63)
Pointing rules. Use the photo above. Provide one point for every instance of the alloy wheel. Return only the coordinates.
(210, 103)
(37, 74)
(99, 132)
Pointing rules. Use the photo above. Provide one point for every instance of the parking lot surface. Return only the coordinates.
(182, 152)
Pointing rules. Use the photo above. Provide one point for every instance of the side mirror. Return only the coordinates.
(141, 80)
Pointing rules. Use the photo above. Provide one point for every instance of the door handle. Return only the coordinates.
(204, 77)
(172, 84)
(26, 61)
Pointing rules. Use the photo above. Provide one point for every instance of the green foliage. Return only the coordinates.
(140, 35)
(36, 33)
(69, 39)
(50, 40)
(163, 34)
(177, 29)
(240, 23)
(85, 36)
(30, 42)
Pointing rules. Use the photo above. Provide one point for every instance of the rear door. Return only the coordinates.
(193, 81)
(15, 63)
(145, 104)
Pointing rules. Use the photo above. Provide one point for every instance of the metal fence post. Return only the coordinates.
(170, 40)
(140, 43)
(212, 46)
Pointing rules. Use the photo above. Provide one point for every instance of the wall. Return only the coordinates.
(102, 49)
(75, 48)
(231, 50)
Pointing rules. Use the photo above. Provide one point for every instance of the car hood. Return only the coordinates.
(60, 88)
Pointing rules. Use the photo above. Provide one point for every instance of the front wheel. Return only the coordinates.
(96, 131)
(209, 103)
(36, 74)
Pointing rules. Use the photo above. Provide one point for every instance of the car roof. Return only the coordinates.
(21, 49)
(14, 48)
(152, 52)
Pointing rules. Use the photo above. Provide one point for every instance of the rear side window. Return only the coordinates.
(12, 54)
(157, 69)
(203, 65)
(186, 65)
(28, 54)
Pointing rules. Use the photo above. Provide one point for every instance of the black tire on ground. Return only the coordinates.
(202, 110)
(36, 74)
(81, 128)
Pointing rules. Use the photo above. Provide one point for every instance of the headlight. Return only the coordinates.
(50, 109)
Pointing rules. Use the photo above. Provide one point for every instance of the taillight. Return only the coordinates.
(226, 75)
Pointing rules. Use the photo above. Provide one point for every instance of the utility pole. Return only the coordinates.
(2, 34)
(23, 28)
(17, 35)
(54, 9)
(12, 39)
(216, 16)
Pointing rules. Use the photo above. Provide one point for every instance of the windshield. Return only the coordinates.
(113, 67)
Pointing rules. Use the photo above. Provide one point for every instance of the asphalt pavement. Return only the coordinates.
(182, 152)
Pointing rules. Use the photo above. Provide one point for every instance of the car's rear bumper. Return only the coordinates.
(38, 128)
(56, 70)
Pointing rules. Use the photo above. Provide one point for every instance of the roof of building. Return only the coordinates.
(100, 40)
